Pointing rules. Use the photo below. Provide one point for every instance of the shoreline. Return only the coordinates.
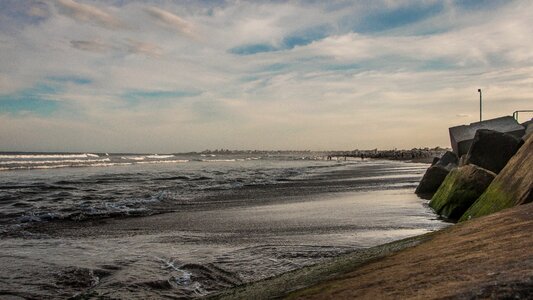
(283, 285)
(486, 257)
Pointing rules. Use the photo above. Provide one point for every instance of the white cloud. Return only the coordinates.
(88, 13)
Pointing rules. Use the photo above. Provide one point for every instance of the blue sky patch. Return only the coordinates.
(252, 49)
(343, 67)
(299, 38)
(305, 37)
(389, 19)
(480, 5)
(36, 100)
(153, 94)
(70, 79)
(136, 97)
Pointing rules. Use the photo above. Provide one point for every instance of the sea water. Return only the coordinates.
(155, 226)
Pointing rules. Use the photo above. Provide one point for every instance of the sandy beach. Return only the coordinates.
(489, 257)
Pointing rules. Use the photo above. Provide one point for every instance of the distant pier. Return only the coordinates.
(425, 154)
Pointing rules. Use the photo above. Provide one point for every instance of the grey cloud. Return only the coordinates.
(92, 46)
(127, 46)
(87, 13)
(39, 9)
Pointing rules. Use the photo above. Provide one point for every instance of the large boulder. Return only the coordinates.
(435, 174)
(432, 179)
(513, 186)
(492, 150)
(459, 190)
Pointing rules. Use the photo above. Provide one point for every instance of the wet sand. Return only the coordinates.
(490, 257)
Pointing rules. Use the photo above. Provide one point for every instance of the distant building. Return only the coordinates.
(461, 136)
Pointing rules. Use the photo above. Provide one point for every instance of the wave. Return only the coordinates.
(134, 157)
(41, 162)
(106, 165)
(164, 161)
(35, 167)
(159, 156)
(218, 160)
(63, 166)
(15, 156)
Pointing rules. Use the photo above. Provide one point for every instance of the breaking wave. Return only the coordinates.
(39, 156)
(43, 162)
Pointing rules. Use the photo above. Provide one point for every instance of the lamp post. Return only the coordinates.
(480, 106)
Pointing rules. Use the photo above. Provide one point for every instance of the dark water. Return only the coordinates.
(35, 187)
(189, 226)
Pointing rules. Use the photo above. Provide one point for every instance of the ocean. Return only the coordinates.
(190, 225)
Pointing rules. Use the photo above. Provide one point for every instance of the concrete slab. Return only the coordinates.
(461, 137)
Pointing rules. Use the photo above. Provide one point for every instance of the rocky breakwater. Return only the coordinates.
(512, 186)
(496, 173)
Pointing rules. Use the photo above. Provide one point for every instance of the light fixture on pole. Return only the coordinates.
(480, 106)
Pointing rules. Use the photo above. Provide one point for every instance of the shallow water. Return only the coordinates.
(219, 237)
(44, 187)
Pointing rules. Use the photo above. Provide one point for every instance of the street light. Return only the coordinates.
(480, 106)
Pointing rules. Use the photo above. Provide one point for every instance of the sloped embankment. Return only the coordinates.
(489, 257)
(512, 186)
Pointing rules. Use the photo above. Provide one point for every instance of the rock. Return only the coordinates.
(460, 189)
(492, 150)
(435, 160)
(435, 174)
(432, 179)
(513, 186)
(447, 159)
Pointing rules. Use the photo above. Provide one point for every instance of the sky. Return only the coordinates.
(174, 76)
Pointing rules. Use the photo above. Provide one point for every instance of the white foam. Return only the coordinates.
(164, 161)
(219, 160)
(134, 157)
(35, 167)
(42, 162)
(15, 156)
(91, 155)
(106, 165)
(160, 156)
(63, 166)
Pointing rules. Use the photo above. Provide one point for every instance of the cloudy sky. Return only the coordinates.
(172, 76)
